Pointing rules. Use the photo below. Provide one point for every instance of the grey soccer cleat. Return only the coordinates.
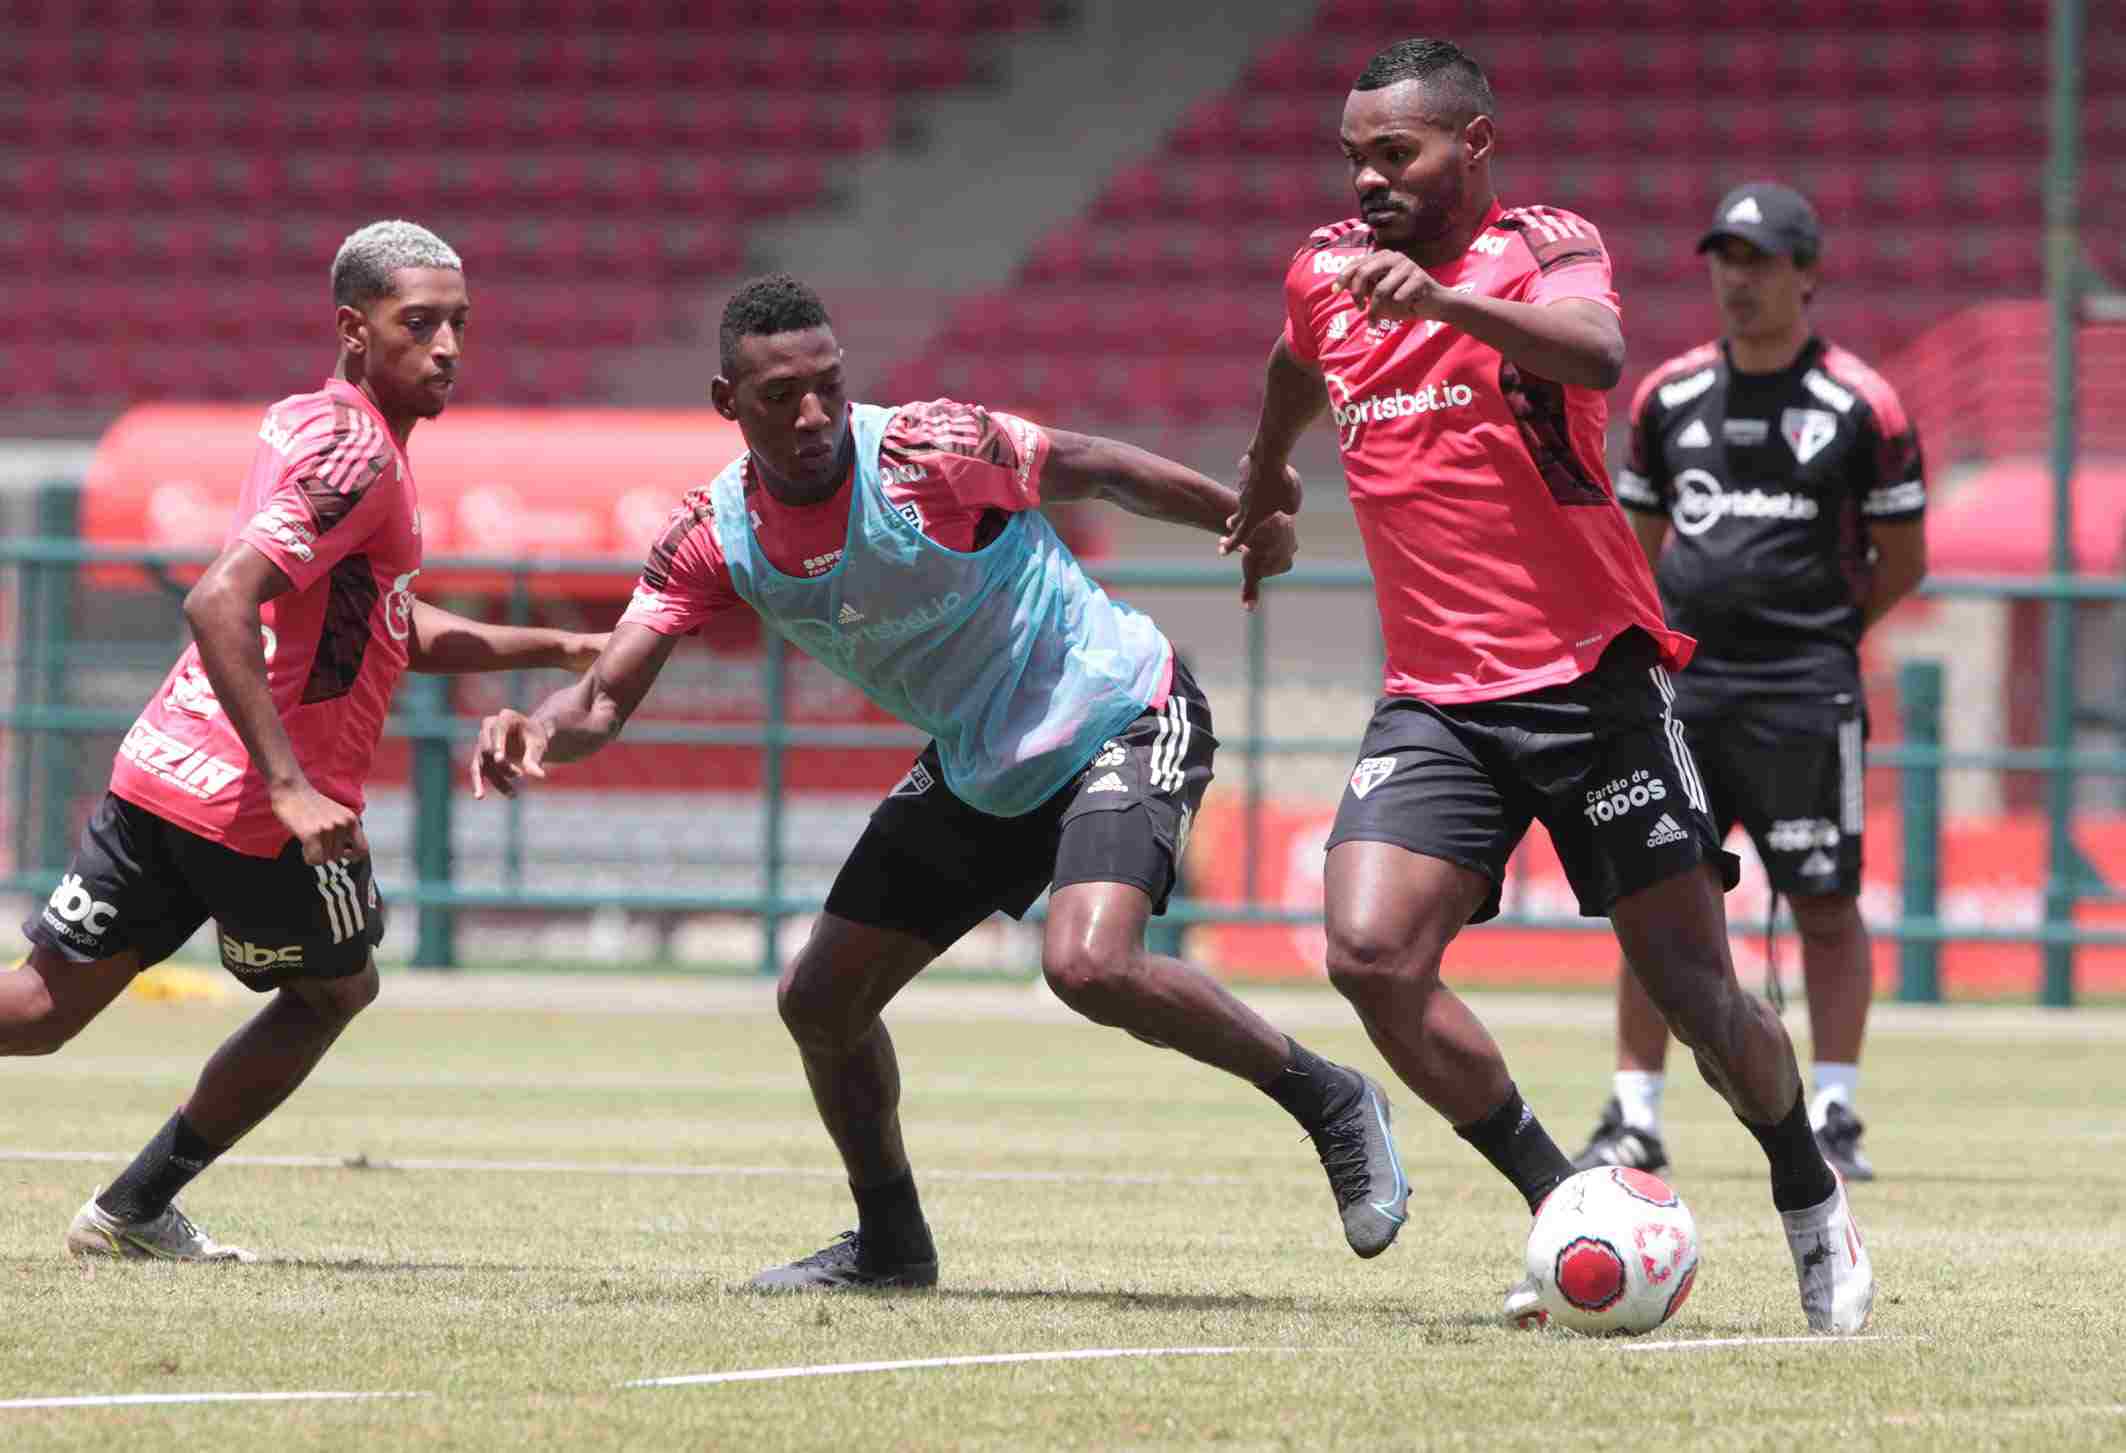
(168, 1237)
(1358, 1152)
(841, 1267)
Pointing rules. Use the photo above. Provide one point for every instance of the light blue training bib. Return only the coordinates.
(1017, 663)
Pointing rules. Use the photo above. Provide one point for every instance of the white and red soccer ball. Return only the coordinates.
(1613, 1251)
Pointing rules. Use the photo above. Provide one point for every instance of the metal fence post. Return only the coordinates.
(776, 684)
(1919, 793)
(58, 754)
(428, 704)
(2063, 279)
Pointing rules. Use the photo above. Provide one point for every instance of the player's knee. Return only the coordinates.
(343, 999)
(1826, 918)
(1365, 962)
(816, 1014)
(1089, 975)
(33, 1024)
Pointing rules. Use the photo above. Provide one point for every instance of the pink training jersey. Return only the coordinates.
(1500, 559)
(330, 500)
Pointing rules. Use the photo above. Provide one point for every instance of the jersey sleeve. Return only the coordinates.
(1299, 339)
(321, 494)
(1643, 483)
(985, 458)
(1570, 258)
(685, 583)
(1896, 480)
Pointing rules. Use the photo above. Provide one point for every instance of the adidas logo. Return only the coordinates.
(850, 615)
(1112, 782)
(1818, 865)
(1745, 210)
(1697, 436)
(1666, 830)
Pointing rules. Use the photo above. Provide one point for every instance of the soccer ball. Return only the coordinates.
(1613, 1251)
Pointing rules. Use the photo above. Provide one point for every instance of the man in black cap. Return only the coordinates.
(1792, 479)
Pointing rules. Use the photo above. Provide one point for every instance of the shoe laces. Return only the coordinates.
(1341, 1143)
(844, 1247)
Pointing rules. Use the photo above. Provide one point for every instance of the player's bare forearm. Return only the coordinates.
(222, 610)
(587, 713)
(1573, 341)
(1086, 466)
(1900, 565)
(1293, 396)
(445, 644)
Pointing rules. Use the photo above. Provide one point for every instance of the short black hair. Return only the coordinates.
(777, 303)
(1449, 71)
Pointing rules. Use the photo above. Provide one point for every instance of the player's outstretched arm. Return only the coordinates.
(576, 720)
(1292, 398)
(222, 610)
(445, 644)
(1086, 466)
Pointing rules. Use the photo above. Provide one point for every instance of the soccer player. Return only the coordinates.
(237, 795)
(1463, 349)
(901, 548)
(1793, 479)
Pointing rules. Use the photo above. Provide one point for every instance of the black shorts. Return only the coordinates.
(1600, 761)
(143, 883)
(932, 866)
(1789, 770)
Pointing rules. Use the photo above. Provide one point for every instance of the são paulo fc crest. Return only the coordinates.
(1807, 431)
(915, 784)
(1371, 773)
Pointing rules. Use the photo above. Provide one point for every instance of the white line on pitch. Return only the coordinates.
(1993, 1414)
(618, 1168)
(985, 1359)
(1694, 1344)
(144, 1399)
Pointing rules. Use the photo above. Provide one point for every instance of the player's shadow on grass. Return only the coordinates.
(1404, 1312)
(1125, 1301)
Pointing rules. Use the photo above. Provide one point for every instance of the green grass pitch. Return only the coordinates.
(1087, 1192)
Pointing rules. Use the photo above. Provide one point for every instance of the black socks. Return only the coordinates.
(1801, 1177)
(890, 1224)
(166, 1166)
(1519, 1148)
(1311, 1088)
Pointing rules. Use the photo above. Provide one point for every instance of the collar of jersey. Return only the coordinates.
(849, 487)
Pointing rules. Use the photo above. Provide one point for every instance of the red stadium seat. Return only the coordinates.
(1916, 196)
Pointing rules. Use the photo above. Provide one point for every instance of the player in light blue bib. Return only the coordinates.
(1070, 749)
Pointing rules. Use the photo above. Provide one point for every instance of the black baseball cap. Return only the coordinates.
(1767, 215)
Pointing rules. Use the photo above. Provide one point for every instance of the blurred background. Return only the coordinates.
(1079, 210)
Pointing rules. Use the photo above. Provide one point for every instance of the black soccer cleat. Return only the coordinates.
(1615, 1143)
(1839, 1138)
(1358, 1152)
(843, 1267)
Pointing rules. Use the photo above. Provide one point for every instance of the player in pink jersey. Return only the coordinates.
(237, 795)
(1463, 349)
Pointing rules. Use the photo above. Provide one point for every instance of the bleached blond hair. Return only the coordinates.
(366, 260)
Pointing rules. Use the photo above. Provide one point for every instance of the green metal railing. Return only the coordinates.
(50, 724)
